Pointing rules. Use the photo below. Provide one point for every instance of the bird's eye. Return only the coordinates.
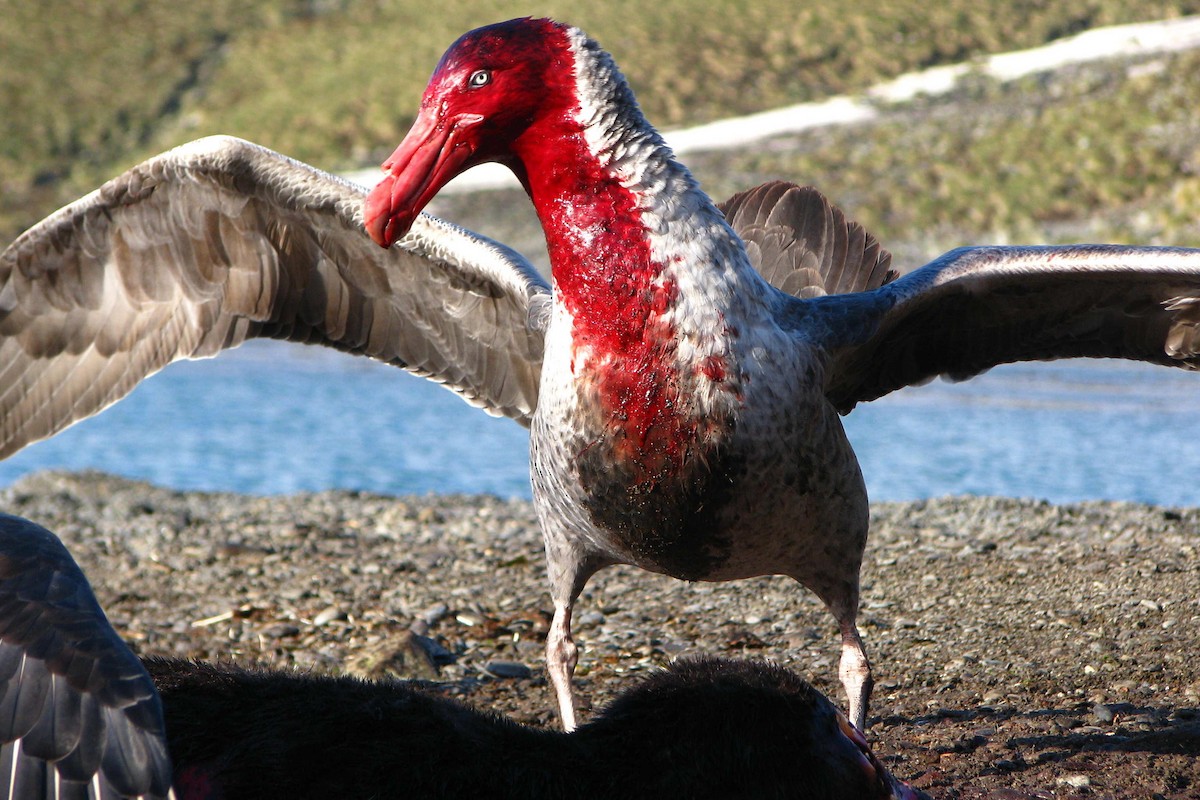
(480, 77)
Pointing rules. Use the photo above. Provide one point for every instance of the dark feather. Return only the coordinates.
(803, 244)
(78, 709)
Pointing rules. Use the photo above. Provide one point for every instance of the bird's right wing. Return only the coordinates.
(79, 715)
(220, 240)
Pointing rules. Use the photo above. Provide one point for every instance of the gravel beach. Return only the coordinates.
(1022, 649)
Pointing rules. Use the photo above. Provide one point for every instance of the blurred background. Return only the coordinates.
(89, 89)
(1107, 150)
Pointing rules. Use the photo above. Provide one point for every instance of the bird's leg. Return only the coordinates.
(570, 569)
(561, 657)
(840, 593)
(855, 672)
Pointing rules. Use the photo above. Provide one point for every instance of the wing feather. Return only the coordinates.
(803, 244)
(974, 308)
(219, 241)
(79, 715)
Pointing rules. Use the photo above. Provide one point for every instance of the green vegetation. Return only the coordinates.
(1106, 152)
(88, 89)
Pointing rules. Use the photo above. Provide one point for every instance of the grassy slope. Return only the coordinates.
(86, 91)
(1106, 152)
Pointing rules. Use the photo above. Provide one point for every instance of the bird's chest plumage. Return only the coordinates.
(658, 456)
(671, 401)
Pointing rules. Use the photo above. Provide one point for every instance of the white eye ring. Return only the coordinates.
(480, 77)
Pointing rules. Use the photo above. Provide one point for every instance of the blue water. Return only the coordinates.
(272, 418)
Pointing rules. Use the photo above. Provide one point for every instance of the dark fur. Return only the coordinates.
(717, 729)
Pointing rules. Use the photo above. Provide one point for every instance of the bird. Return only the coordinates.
(83, 717)
(682, 372)
(79, 715)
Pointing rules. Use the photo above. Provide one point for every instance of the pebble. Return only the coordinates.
(329, 615)
(408, 656)
(1102, 713)
(589, 620)
(435, 613)
(280, 630)
(507, 669)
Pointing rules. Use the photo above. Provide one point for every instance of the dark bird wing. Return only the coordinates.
(219, 241)
(803, 244)
(79, 715)
(976, 307)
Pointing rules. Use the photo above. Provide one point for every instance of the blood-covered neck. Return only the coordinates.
(609, 195)
(604, 185)
(599, 247)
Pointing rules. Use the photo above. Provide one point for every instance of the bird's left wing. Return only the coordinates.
(974, 308)
(803, 244)
(79, 715)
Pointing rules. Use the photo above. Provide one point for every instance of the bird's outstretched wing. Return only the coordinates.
(803, 244)
(221, 240)
(79, 715)
(976, 307)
